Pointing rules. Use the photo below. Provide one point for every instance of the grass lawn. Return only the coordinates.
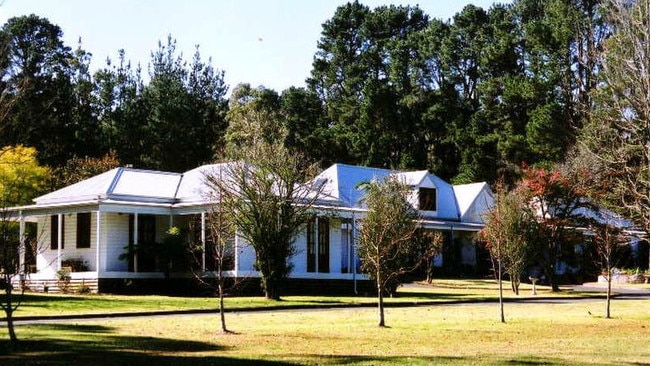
(535, 333)
(37, 304)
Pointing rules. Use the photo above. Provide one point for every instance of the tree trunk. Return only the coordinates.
(271, 290)
(380, 304)
(515, 285)
(609, 293)
(503, 319)
(9, 313)
(222, 313)
(552, 280)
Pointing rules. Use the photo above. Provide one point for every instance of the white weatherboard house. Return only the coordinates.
(88, 227)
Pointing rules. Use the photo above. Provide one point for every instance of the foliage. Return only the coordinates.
(509, 230)
(78, 169)
(559, 202)
(63, 279)
(385, 243)
(186, 110)
(469, 99)
(618, 137)
(429, 244)
(175, 122)
(39, 77)
(21, 177)
(253, 117)
(262, 193)
(172, 251)
(608, 239)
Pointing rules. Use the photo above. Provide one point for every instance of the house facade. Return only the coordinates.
(95, 230)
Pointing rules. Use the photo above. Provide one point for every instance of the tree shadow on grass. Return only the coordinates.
(82, 344)
(38, 298)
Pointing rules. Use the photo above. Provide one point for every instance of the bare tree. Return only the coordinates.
(507, 232)
(430, 245)
(386, 246)
(619, 133)
(608, 239)
(216, 250)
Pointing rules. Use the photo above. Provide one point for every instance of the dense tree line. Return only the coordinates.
(469, 99)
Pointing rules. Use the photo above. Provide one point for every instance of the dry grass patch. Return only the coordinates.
(550, 333)
(36, 304)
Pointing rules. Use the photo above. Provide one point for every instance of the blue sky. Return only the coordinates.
(261, 42)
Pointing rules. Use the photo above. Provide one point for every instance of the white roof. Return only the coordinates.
(412, 179)
(341, 188)
(474, 200)
(466, 194)
(342, 182)
(192, 187)
(121, 184)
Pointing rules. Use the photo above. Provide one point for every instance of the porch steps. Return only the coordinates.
(76, 285)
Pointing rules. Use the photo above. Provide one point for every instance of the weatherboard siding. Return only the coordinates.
(115, 230)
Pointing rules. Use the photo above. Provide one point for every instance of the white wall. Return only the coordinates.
(114, 237)
(300, 259)
(245, 255)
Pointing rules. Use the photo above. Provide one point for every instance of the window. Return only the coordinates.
(346, 246)
(318, 245)
(323, 245)
(83, 230)
(311, 247)
(428, 199)
(54, 232)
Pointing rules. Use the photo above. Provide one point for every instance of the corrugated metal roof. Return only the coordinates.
(89, 189)
(467, 196)
(341, 188)
(192, 187)
(118, 184)
(342, 182)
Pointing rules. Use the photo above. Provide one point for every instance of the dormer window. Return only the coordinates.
(428, 201)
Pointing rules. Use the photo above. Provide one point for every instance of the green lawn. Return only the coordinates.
(456, 334)
(36, 304)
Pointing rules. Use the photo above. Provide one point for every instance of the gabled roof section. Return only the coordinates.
(342, 182)
(412, 179)
(474, 200)
(92, 188)
(192, 188)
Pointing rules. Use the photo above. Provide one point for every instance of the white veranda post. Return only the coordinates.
(97, 241)
(21, 255)
(135, 242)
(203, 241)
(59, 238)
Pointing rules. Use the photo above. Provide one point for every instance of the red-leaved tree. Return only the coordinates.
(559, 201)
